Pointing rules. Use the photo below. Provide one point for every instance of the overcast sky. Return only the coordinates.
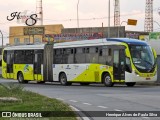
(92, 13)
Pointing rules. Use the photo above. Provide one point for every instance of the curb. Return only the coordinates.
(151, 84)
(81, 115)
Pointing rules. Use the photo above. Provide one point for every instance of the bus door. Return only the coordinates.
(48, 63)
(37, 65)
(10, 58)
(119, 64)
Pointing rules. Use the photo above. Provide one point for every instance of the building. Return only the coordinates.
(34, 34)
(113, 31)
(137, 35)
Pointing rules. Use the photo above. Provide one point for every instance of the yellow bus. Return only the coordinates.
(107, 61)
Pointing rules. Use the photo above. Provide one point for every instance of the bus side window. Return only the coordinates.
(54, 55)
(75, 50)
(109, 52)
(19, 56)
(88, 55)
(100, 52)
(5, 56)
(74, 54)
(29, 57)
(87, 50)
(80, 55)
(109, 57)
(70, 56)
(93, 55)
(102, 56)
(96, 50)
(58, 56)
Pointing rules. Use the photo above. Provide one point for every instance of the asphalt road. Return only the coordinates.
(100, 98)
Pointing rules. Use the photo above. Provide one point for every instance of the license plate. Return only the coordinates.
(148, 78)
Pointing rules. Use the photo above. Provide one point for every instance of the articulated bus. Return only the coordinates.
(107, 61)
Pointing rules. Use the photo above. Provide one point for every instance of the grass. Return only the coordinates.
(30, 101)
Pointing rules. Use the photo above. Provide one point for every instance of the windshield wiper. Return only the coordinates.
(148, 62)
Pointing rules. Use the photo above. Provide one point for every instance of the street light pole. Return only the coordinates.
(77, 15)
(2, 38)
(120, 26)
(108, 18)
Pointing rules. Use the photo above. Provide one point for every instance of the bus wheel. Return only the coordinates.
(107, 81)
(130, 84)
(21, 78)
(63, 79)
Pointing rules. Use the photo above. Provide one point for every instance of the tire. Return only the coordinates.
(107, 80)
(21, 78)
(130, 84)
(63, 79)
(84, 84)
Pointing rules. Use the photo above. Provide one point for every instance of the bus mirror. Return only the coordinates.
(154, 53)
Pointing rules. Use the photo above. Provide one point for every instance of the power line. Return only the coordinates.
(82, 19)
(94, 18)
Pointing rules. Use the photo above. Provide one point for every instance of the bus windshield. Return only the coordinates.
(142, 57)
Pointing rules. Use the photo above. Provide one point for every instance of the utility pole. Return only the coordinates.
(77, 15)
(108, 18)
(39, 11)
(116, 13)
(2, 39)
(148, 27)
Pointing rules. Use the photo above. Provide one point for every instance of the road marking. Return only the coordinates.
(75, 109)
(102, 107)
(87, 104)
(59, 99)
(80, 114)
(118, 110)
(73, 100)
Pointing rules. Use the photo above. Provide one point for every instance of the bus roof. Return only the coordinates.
(94, 42)
(128, 41)
(80, 43)
(20, 47)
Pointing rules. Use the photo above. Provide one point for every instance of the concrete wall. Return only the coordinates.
(114, 31)
(155, 44)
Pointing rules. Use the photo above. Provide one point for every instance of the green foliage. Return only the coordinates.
(31, 101)
(10, 89)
